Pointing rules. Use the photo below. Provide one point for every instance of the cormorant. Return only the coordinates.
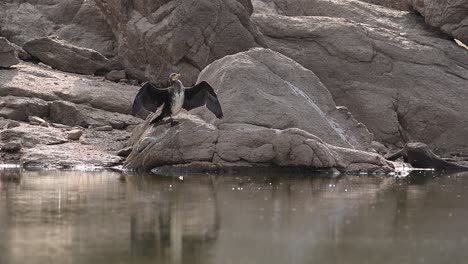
(175, 98)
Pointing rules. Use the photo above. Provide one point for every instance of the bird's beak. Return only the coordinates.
(176, 77)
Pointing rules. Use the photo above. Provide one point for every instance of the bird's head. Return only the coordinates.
(174, 77)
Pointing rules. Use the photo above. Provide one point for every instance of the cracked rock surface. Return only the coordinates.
(79, 22)
(158, 37)
(403, 84)
(450, 16)
(194, 140)
(276, 113)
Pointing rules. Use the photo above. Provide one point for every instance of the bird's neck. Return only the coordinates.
(178, 86)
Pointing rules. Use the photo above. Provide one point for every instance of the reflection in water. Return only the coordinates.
(104, 217)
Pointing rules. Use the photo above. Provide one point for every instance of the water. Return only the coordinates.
(105, 217)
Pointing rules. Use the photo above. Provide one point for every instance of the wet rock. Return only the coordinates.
(11, 147)
(116, 76)
(448, 16)
(8, 56)
(265, 88)
(389, 76)
(64, 56)
(160, 37)
(21, 108)
(74, 134)
(419, 155)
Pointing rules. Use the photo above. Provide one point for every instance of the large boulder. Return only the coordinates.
(77, 21)
(64, 56)
(449, 16)
(8, 56)
(276, 112)
(403, 85)
(195, 141)
(265, 88)
(158, 37)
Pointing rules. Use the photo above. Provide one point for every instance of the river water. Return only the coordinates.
(107, 217)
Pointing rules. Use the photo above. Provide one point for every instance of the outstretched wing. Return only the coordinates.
(149, 98)
(200, 95)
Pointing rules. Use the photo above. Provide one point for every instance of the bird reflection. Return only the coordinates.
(176, 224)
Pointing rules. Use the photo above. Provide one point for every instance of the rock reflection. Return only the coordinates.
(104, 217)
(172, 220)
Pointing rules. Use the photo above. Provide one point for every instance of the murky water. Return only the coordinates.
(104, 217)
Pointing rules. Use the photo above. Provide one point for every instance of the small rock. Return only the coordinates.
(103, 128)
(74, 134)
(13, 123)
(11, 147)
(56, 125)
(117, 124)
(379, 147)
(116, 76)
(35, 120)
(124, 152)
(45, 65)
(23, 55)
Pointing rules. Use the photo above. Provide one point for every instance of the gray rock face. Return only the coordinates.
(402, 85)
(68, 99)
(71, 114)
(20, 108)
(450, 16)
(240, 145)
(8, 56)
(164, 36)
(271, 105)
(49, 146)
(395, 4)
(66, 57)
(77, 21)
(265, 88)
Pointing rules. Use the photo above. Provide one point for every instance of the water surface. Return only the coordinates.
(106, 217)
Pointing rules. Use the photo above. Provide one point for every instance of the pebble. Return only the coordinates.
(74, 134)
(116, 75)
(35, 120)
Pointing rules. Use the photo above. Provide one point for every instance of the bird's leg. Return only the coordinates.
(157, 119)
(174, 122)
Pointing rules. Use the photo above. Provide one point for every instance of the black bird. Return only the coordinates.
(175, 98)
